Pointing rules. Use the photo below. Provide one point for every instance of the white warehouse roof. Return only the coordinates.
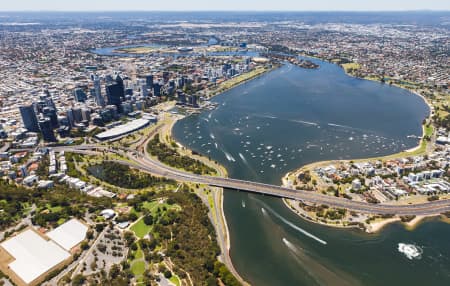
(69, 234)
(33, 255)
(124, 129)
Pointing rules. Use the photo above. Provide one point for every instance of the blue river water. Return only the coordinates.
(290, 117)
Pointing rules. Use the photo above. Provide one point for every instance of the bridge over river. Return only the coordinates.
(140, 161)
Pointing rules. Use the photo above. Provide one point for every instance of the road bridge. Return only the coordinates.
(138, 160)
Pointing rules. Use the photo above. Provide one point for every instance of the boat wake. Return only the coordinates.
(305, 122)
(291, 246)
(323, 275)
(243, 159)
(341, 126)
(269, 116)
(229, 157)
(411, 251)
(299, 229)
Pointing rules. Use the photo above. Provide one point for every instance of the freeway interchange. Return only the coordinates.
(141, 160)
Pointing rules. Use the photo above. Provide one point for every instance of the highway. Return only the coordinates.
(143, 162)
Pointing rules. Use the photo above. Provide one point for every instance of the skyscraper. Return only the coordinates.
(50, 112)
(156, 89)
(45, 125)
(98, 92)
(29, 118)
(149, 81)
(119, 81)
(143, 87)
(115, 92)
(79, 95)
(166, 76)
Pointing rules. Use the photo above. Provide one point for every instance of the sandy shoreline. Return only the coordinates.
(371, 228)
(379, 225)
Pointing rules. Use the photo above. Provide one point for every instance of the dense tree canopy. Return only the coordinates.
(172, 158)
(123, 176)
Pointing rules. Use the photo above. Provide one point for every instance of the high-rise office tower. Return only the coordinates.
(149, 81)
(98, 92)
(70, 117)
(80, 95)
(86, 114)
(45, 125)
(50, 112)
(115, 92)
(156, 89)
(193, 100)
(49, 101)
(77, 115)
(166, 76)
(143, 87)
(29, 118)
(119, 81)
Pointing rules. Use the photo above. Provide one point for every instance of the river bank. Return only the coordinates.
(211, 196)
(241, 79)
(214, 199)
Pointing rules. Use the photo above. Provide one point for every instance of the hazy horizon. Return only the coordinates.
(238, 6)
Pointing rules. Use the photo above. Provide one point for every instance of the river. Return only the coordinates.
(293, 116)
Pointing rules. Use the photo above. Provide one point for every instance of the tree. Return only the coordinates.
(84, 245)
(211, 281)
(129, 238)
(148, 219)
(99, 227)
(114, 271)
(78, 280)
(101, 247)
(167, 274)
(89, 234)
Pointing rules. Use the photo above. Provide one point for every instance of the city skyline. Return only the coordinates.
(230, 5)
(224, 143)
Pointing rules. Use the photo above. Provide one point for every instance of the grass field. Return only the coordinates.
(139, 254)
(138, 268)
(140, 228)
(175, 280)
(154, 205)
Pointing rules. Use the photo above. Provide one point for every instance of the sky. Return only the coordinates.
(226, 5)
